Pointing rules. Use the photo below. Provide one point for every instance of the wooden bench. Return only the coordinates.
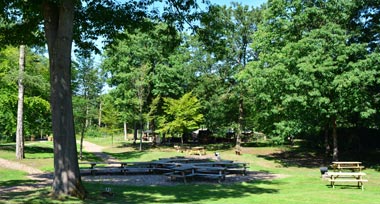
(181, 172)
(210, 172)
(237, 168)
(355, 177)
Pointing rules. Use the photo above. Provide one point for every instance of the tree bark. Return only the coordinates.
(327, 144)
(20, 106)
(58, 25)
(100, 115)
(125, 131)
(241, 119)
(335, 141)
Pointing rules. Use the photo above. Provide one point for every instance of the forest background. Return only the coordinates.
(303, 69)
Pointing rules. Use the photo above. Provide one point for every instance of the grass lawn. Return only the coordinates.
(299, 180)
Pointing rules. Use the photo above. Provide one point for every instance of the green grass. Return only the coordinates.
(298, 183)
(9, 175)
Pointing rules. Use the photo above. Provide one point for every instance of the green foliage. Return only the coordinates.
(182, 115)
(307, 74)
(36, 106)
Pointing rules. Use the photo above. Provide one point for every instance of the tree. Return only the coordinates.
(139, 68)
(59, 30)
(226, 32)
(303, 56)
(182, 115)
(20, 107)
(87, 89)
(36, 109)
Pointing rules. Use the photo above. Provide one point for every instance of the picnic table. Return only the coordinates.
(347, 165)
(356, 177)
(197, 150)
(124, 167)
(231, 167)
(188, 170)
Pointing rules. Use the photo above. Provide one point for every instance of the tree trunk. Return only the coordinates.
(241, 118)
(58, 25)
(327, 144)
(100, 114)
(141, 131)
(20, 106)
(81, 143)
(134, 133)
(125, 131)
(335, 141)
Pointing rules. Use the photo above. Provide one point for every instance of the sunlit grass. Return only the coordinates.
(294, 183)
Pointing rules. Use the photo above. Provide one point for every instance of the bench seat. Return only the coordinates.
(359, 181)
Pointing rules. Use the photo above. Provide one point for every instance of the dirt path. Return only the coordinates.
(98, 151)
(40, 178)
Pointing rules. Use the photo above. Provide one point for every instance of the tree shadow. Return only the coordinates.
(306, 157)
(298, 157)
(190, 193)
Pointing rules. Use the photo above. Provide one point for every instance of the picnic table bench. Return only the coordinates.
(186, 171)
(125, 167)
(231, 167)
(356, 177)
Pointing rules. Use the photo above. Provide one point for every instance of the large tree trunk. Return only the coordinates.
(58, 20)
(20, 106)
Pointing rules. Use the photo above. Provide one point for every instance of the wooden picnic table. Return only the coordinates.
(197, 150)
(230, 166)
(347, 165)
(187, 170)
(356, 177)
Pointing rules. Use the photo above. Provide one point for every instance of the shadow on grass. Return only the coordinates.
(176, 194)
(305, 157)
(132, 155)
(297, 157)
(31, 152)
(39, 196)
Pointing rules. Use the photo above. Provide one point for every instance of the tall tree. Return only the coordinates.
(20, 106)
(59, 30)
(87, 87)
(226, 32)
(304, 55)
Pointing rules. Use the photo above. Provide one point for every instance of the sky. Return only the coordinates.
(255, 3)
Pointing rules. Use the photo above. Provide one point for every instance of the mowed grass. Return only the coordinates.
(298, 180)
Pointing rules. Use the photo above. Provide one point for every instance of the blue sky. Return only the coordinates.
(255, 3)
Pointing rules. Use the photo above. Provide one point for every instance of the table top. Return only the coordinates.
(348, 162)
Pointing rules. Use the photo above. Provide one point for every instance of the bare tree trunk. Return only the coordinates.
(20, 106)
(100, 115)
(134, 133)
(125, 131)
(81, 143)
(141, 130)
(327, 144)
(335, 141)
(58, 20)
(241, 118)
